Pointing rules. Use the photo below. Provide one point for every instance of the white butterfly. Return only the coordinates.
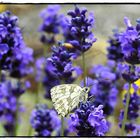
(66, 97)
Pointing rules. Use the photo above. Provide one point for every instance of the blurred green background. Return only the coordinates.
(107, 17)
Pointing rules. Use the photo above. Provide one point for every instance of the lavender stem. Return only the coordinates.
(126, 110)
(84, 68)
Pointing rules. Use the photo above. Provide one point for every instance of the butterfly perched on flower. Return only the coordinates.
(66, 97)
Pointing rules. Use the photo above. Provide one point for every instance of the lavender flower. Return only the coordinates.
(133, 112)
(44, 121)
(114, 49)
(51, 24)
(9, 105)
(104, 88)
(21, 65)
(130, 73)
(136, 131)
(14, 55)
(79, 31)
(61, 63)
(130, 43)
(59, 68)
(88, 120)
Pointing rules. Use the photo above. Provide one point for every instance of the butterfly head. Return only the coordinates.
(84, 94)
(86, 89)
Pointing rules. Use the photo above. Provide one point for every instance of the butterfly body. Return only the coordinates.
(66, 97)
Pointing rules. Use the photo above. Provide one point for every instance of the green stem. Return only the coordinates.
(62, 126)
(126, 110)
(16, 119)
(37, 93)
(84, 68)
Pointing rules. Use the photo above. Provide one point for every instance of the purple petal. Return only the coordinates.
(4, 49)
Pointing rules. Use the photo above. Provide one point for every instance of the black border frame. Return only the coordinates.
(69, 3)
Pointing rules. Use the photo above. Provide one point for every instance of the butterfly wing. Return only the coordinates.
(65, 98)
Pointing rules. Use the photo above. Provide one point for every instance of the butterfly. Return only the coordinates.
(66, 97)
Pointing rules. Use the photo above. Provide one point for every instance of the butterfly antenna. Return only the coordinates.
(91, 85)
